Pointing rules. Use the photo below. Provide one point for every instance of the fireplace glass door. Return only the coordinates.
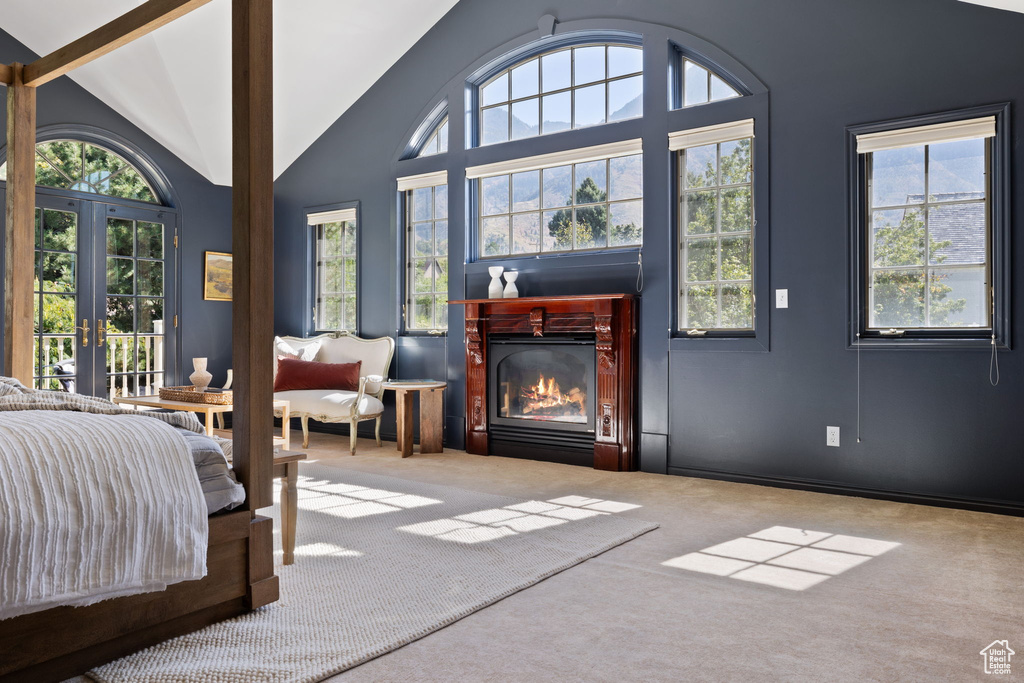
(550, 383)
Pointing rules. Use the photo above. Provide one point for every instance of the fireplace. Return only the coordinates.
(542, 398)
(547, 381)
(553, 378)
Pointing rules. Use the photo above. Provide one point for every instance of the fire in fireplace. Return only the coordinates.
(545, 401)
(543, 381)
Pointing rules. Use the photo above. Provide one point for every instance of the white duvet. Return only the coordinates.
(94, 507)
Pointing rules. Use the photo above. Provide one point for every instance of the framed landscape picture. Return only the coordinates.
(217, 277)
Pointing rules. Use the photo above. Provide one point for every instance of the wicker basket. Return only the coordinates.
(191, 395)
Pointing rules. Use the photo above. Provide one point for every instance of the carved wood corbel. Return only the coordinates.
(473, 341)
(605, 346)
(537, 321)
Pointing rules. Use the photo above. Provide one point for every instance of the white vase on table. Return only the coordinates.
(495, 290)
(511, 291)
(200, 378)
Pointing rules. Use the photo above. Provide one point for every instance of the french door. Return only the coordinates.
(105, 304)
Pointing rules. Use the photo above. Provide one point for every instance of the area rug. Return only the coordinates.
(381, 562)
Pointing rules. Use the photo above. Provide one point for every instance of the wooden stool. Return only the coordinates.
(431, 414)
(286, 468)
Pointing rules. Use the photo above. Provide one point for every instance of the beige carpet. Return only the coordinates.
(381, 562)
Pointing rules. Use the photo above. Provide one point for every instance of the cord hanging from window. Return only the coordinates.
(639, 272)
(993, 366)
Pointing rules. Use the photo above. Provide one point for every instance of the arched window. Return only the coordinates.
(564, 89)
(702, 86)
(437, 143)
(86, 167)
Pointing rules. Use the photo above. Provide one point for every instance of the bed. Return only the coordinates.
(59, 642)
(96, 503)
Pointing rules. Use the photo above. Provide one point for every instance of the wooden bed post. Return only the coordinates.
(253, 276)
(20, 224)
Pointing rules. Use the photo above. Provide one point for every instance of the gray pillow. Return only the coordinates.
(220, 488)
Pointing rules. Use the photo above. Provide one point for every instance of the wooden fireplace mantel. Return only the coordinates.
(611, 318)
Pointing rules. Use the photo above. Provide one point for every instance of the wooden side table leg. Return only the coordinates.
(209, 421)
(431, 421)
(399, 419)
(289, 510)
(404, 404)
(286, 426)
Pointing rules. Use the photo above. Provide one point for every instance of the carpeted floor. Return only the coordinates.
(919, 611)
(381, 562)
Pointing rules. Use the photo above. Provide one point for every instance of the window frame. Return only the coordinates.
(724, 113)
(408, 243)
(313, 268)
(999, 229)
(478, 216)
(508, 60)
(677, 76)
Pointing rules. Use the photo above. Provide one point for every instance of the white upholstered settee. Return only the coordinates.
(335, 405)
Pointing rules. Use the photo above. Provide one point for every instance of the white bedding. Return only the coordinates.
(94, 507)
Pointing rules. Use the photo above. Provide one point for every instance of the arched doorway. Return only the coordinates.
(105, 266)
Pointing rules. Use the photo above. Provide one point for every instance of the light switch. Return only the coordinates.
(781, 298)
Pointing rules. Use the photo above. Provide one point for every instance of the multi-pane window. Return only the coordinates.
(588, 205)
(55, 296)
(701, 86)
(80, 166)
(716, 229)
(569, 88)
(337, 259)
(135, 300)
(927, 238)
(427, 240)
(437, 143)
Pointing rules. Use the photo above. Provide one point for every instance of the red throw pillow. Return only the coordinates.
(294, 374)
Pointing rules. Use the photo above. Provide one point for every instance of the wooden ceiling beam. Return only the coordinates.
(131, 25)
(6, 74)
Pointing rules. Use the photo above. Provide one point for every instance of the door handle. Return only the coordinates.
(101, 331)
(85, 331)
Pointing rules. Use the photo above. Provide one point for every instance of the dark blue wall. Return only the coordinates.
(932, 425)
(205, 210)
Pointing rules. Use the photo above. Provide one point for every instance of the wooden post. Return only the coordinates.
(20, 235)
(253, 245)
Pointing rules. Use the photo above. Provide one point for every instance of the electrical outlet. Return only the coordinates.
(832, 436)
(781, 298)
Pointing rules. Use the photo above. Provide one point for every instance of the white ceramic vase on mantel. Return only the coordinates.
(511, 291)
(494, 290)
(200, 378)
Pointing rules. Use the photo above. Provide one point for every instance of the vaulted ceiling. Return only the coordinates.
(175, 83)
(1012, 5)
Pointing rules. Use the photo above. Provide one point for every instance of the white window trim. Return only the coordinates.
(578, 155)
(338, 216)
(954, 131)
(708, 135)
(418, 182)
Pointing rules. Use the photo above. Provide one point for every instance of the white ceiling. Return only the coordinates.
(1011, 5)
(175, 82)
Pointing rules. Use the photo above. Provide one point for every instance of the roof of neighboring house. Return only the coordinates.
(962, 225)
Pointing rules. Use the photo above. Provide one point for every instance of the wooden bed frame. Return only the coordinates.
(66, 641)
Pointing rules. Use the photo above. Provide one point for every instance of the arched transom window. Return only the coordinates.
(84, 167)
(573, 87)
(702, 86)
(437, 143)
